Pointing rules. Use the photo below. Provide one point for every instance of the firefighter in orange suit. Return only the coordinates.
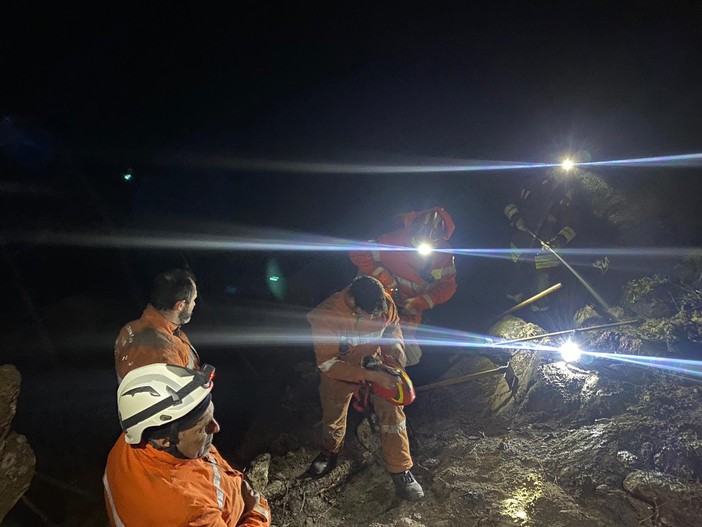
(168, 475)
(420, 278)
(157, 336)
(358, 322)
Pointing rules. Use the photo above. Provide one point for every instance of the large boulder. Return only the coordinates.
(17, 460)
(675, 502)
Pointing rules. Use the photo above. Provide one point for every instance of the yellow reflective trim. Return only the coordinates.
(568, 233)
(511, 210)
(516, 253)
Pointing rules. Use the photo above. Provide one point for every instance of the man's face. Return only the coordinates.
(186, 313)
(195, 442)
(362, 313)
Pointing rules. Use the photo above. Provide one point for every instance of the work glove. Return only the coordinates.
(521, 225)
(394, 355)
(250, 496)
(415, 305)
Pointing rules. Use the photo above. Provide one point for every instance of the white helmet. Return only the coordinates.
(158, 394)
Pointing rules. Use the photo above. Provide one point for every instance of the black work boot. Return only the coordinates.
(407, 487)
(322, 465)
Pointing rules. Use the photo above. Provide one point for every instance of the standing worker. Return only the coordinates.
(164, 471)
(157, 336)
(420, 278)
(540, 211)
(351, 328)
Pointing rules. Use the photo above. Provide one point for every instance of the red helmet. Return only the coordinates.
(429, 227)
(402, 395)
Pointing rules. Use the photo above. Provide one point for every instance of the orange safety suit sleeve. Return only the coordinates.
(444, 288)
(327, 338)
(213, 518)
(368, 265)
(256, 513)
(439, 291)
(394, 342)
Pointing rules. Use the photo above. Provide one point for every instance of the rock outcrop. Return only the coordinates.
(17, 460)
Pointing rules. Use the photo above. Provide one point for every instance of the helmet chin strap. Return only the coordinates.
(172, 447)
(173, 442)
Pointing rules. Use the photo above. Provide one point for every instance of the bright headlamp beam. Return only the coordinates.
(570, 351)
(307, 167)
(424, 249)
(567, 164)
(260, 239)
(677, 160)
(316, 167)
(291, 328)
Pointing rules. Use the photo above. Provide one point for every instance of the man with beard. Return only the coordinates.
(164, 470)
(157, 336)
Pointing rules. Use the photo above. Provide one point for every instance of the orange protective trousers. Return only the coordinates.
(336, 397)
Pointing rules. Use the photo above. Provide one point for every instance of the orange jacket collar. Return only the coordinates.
(158, 320)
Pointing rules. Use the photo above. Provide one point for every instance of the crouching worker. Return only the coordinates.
(352, 328)
(164, 471)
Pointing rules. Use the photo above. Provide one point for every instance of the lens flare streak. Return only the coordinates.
(676, 160)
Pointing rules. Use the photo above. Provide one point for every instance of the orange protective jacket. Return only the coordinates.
(146, 487)
(342, 339)
(152, 339)
(430, 279)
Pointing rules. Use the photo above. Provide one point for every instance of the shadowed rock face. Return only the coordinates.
(17, 460)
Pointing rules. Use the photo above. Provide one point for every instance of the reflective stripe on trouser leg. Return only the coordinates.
(335, 397)
(393, 435)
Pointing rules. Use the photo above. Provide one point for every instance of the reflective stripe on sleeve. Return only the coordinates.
(217, 482)
(327, 364)
(378, 270)
(376, 256)
(429, 301)
(115, 516)
(407, 283)
(394, 429)
(262, 510)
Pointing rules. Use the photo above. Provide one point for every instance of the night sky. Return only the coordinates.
(512, 81)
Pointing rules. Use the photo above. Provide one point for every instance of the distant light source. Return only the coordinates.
(570, 352)
(567, 164)
(424, 249)
(128, 175)
(276, 279)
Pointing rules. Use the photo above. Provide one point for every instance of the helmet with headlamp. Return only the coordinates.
(159, 394)
(428, 229)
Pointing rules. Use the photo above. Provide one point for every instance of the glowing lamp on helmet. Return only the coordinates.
(567, 164)
(570, 352)
(424, 249)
